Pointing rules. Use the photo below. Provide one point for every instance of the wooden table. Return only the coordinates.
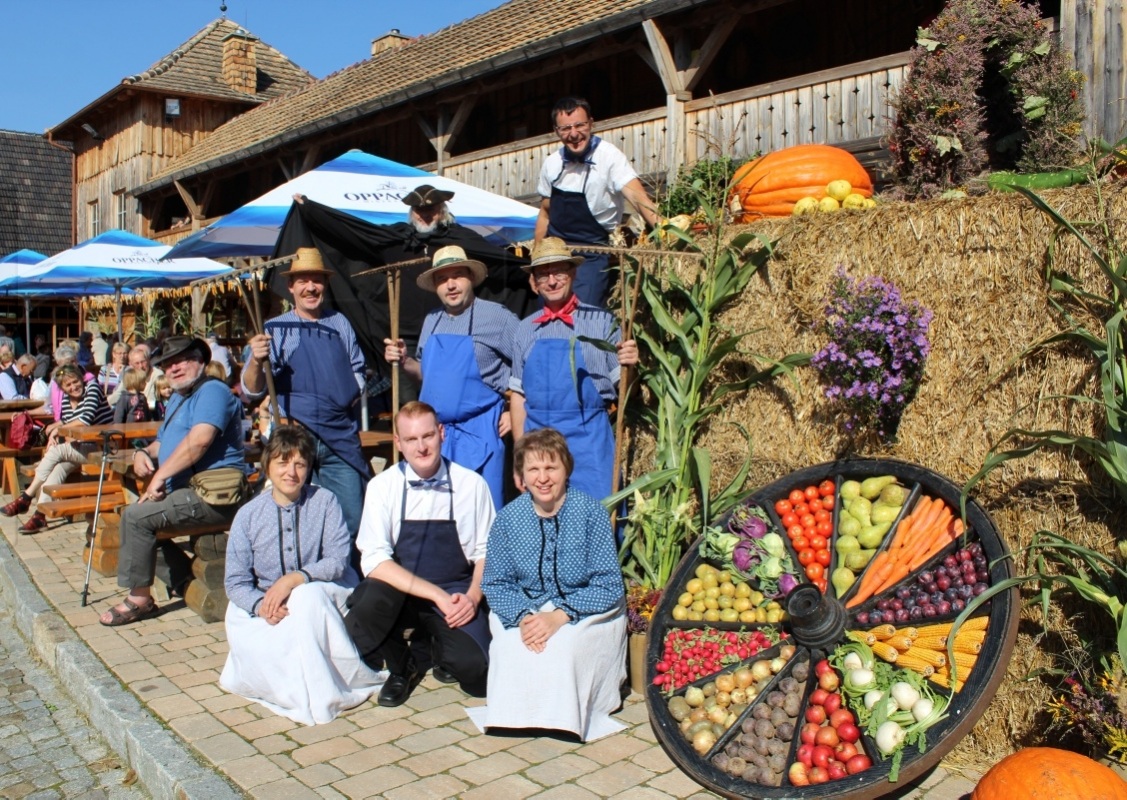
(93, 433)
(10, 481)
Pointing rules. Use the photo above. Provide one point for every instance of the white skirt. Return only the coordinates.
(305, 667)
(574, 685)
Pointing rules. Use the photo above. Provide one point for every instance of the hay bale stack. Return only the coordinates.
(979, 265)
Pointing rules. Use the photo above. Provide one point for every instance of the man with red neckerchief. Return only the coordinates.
(563, 383)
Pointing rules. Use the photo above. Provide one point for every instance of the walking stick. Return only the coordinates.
(107, 437)
(393, 308)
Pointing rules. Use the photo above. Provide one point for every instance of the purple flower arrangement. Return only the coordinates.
(874, 360)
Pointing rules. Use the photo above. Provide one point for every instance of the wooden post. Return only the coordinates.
(393, 307)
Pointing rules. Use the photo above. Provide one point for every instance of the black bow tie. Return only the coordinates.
(430, 483)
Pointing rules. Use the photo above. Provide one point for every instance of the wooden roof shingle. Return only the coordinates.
(196, 68)
(35, 194)
(517, 31)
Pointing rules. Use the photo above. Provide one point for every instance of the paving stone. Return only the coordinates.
(511, 787)
(287, 789)
(387, 732)
(676, 783)
(567, 792)
(374, 783)
(253, 771)
(562, 769)
(270, 745)
(489, 768)
(224, 747)
(440, 760)
(425, 741)
(642, 793)
(484, 745)
(654, 759)
(368, 758)
(541, 749)
(317, 775)
(614, 778)
(436, 787)
(326, 750)
(317, 733)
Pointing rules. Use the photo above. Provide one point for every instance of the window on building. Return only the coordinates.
(122, 209)
(94, 219)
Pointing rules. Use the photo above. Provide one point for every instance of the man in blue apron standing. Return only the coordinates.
(318, 371)
(563, 383)
(464, 361)
(583, 185)
(422, 554)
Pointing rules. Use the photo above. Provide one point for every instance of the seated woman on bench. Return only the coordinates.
(82, 402)
(288, 577)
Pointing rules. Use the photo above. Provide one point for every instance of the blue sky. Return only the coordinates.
(57, 56)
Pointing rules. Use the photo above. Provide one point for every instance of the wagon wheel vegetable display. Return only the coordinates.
(806, 645)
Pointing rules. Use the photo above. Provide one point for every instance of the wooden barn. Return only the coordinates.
(143, 124)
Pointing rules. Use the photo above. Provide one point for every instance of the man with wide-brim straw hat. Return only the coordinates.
(318, 370)
(562, 382)
(463, 361)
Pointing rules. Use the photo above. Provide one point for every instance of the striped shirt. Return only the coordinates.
(494, 327)
(91, 410)
(285, 336)
(592, 322)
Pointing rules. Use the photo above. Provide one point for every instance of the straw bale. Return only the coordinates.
(979, 265)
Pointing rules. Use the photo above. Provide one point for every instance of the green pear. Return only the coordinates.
(850, 489)
(859, 560)
(862, 509)
(893, 495)
(848, 525)
(884, 513)
(873, 535)
(847, 543)
(842, 579)
(872, 487)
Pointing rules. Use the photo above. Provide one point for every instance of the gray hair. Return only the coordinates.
(26, 360)
(65, 354)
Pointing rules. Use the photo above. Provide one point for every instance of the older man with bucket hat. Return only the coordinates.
(202, 433)
(464, 361)
(318, 372)
(562, 382)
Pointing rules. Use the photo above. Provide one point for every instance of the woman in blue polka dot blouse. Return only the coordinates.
(557, 608)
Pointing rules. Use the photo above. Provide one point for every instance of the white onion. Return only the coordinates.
(905, 695)
(852, 661)
(889, 737)
(871, 697)
(922, 709)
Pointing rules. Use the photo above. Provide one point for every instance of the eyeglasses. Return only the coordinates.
(546, 273)
(564, 130)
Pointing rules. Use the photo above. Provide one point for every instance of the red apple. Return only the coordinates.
(817, 775)
(843, 716)
(805, 754)
(827, 736)
(808, 733)
(845, 751)
(822, 667)
(859, 763)
(816, 714)
(848, 732)
(797, 775)
(821, 755)
(818, 698)
(832, 703)
(829, 681)
(836, 770)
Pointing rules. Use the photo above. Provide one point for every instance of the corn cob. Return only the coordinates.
(965, 661)
(864, 637)
(933, 657)
(883, 632)
(945, 681)
(970, 648)
(931, 642)
(899, 641)
(915, 663)
(886, 651)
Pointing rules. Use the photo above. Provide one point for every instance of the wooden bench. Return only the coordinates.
(76, 506)
(10, 477)
(67, 491)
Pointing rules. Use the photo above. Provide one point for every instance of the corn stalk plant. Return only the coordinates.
(1107, 345)
(684, 349)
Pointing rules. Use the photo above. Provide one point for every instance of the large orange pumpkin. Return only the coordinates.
(770, 185)
(1045, 773)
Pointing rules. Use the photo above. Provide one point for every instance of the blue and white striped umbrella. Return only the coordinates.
(366, 186)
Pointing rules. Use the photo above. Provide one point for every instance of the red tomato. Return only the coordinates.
(818, 542)
(800, 542)
(796, 530)
(808, 521)
(827, 736)
(821, 584)
(800, 509)
(828, 502)
(825, 528)
(789, 519)
(822, 557)
(826, 488)
(783, 507)
(796, 496)
(814, 570)
(806, 558)
(821, 515)
(811, 493)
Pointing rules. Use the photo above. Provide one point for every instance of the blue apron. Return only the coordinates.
(570, 219)
(553, 400)
(430, 549)
(318, 389)
(467, 407)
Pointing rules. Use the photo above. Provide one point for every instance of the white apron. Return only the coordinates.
(306, 667)
(574, 685)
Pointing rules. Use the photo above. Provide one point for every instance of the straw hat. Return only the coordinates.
(446, 257)
(426, 195)
(551, 250)
(307, 261)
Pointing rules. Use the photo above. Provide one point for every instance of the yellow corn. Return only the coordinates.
(911, 633)
(971, 648)
(864, 637)
(945, 681)
(899, 641)
(975, 624)
(933, 657)
(886, 651)
(916, 664)
(972, 637)
(931, 642)
(883, 632)
(965, 661)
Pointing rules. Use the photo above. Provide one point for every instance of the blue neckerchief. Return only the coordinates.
(585, 156)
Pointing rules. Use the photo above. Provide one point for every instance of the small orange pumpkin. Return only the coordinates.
(1046, 773)
(770, 185)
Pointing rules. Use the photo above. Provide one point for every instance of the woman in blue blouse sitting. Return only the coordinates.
(288, 577)
(557, 609)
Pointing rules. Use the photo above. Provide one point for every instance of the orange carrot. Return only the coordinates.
(875, 575)
(899, 572)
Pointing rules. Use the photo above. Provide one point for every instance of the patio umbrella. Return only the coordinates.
(12, 265)
(114, 262)
(366, 186)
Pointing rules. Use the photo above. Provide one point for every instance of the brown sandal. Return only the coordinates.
(133, 613)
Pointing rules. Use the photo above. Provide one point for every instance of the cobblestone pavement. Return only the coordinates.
(426, 748)
(47, 748)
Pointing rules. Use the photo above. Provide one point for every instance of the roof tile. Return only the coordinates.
(35, 194)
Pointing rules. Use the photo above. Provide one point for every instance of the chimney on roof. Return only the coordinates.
(389, 41)
(240, 69)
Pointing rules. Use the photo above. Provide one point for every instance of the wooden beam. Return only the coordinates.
(189, 201)
(310, 159)
(283, 164)
(663, 58)
(424, 124)
(205, 198)
(458, 121)
(709, 50)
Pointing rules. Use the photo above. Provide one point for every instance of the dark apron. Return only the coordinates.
(467, 407)
(318, 389)
(430, 549)
(553, 400)
(23, 385)
(570, 219)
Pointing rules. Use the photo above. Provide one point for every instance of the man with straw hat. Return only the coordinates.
(561, 382)
(466, 367)
(318, 371)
